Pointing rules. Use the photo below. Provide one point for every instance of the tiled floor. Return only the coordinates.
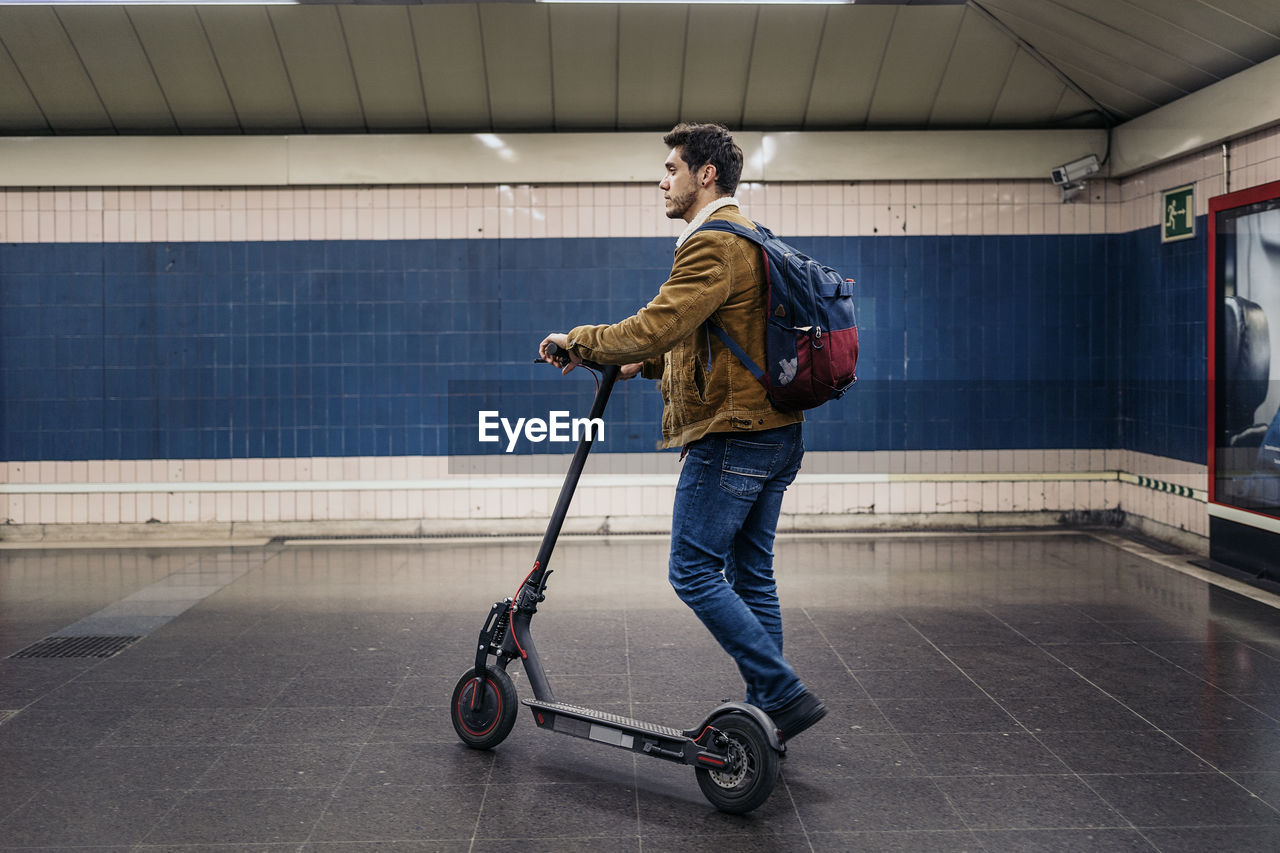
(1001, 693)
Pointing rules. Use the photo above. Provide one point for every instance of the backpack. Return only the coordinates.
(811, 337)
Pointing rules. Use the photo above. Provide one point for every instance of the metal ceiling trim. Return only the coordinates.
(1039, 57)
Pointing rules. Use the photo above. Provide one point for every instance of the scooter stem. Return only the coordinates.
(537, 579)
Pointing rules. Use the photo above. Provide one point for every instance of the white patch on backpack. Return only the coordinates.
(788, 371)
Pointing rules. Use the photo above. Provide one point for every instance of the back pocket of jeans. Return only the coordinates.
(747, 465)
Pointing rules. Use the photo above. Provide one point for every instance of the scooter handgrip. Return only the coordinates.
(561, 358)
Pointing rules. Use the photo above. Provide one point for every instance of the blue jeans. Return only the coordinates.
(722, 530)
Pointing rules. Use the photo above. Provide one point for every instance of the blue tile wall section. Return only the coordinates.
(1163, 308)
(229, 350)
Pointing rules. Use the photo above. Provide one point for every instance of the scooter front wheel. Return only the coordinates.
(483, 708)
(752, 772)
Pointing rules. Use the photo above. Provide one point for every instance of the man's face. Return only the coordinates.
(679, 187)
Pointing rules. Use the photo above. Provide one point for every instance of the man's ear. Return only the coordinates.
(710, 175)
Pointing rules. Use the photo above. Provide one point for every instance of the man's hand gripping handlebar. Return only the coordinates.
(554, 350)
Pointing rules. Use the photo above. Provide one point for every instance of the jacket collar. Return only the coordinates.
(702, 216)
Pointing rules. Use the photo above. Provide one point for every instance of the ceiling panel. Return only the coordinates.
(384, 64)
(651, 47)
(1187, 46)
(1102, 66)
(584, 66)
(517, 57)
(715, 81)
(1058, 31)
(19, 111)
(1029, 96)
(1262, 14)
(848, 66)
(782, 61)
(450, 54)
(174, 41)
(105, 40)
(52, 69)
(244, 46)
(1253, 38)
(1120, 101)
(402, 65)
(914, 60)
(1073, 110)
(976, 72)
(315, 55)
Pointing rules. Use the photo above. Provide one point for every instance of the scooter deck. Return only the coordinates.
(566, 713)
(624, 732)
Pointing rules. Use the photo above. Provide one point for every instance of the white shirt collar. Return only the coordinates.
(702, 217)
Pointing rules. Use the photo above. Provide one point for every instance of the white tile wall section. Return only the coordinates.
(819, 209)
(141, 215)
(277, 492)
(220, 492)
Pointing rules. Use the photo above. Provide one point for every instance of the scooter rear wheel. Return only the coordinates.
(483, 710)
(748, 782)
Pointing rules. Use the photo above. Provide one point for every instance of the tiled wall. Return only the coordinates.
(269, 355)
(359, 348)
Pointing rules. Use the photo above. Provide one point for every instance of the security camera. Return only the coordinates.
(1075, 170)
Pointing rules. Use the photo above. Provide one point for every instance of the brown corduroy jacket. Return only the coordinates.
(718, 277)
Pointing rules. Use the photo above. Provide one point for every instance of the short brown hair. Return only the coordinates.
(702, 144)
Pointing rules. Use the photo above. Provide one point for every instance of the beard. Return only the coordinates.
(678, 205)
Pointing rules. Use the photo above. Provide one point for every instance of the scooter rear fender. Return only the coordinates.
(766, 723)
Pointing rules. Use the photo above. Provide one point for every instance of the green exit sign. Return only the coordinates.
(1178, 214)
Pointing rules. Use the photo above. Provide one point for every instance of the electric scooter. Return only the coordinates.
(734, 751)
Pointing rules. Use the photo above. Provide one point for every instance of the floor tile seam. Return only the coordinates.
(626, 656)
(631, 713)
(381, 786)
(1218, 770)
(1107, 803)
(1180, 827)
(1070, 774)
(851, 672)
(186, 794)
(226, 746)
(37, 791)
(1021, 726)
(1022, 731)
(18, 711)
(1248, 644)
(1114, 698)
(795, 809)
(193, 788)
(1151, 845)
(920, 831)
(946, 798)
(1216, 687)
(363, 747)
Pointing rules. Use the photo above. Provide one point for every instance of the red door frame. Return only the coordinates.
(1217, 204)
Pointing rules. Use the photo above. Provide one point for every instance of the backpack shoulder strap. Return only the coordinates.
(728, 341)
(758, 238)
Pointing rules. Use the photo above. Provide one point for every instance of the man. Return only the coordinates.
(740, 453)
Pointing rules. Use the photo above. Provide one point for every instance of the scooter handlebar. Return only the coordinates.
(561, 358)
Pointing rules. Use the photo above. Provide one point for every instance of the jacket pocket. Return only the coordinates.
(747, 465)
